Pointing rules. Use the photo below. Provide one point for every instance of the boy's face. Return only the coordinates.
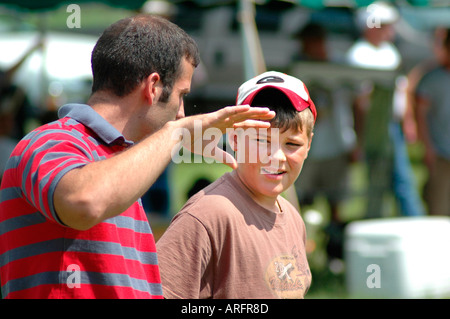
(270, 160)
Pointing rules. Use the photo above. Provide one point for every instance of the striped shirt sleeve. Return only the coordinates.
(43, 158)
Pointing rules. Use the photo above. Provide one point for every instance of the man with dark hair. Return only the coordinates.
(122, 57)
(71, 221)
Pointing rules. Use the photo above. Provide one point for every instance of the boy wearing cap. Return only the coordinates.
(238, 238)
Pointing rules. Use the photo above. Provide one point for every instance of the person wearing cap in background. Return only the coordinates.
(375, 49)
(381, 114)
(238, 238)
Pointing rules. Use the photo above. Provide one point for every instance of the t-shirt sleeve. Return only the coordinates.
(184, 252)
(43, 158)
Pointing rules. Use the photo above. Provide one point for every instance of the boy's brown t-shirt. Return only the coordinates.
(223, 245)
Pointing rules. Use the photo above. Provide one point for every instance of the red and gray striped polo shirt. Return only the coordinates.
(42, 258)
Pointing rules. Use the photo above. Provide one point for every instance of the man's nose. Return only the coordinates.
(180, 113)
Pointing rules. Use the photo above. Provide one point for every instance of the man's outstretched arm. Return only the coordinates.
(100, 190)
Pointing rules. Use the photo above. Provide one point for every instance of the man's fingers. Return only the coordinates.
(251, 124)
(242, 112)
(242, 116)
(224, 157)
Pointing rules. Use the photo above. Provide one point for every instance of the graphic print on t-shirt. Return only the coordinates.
(287, 276)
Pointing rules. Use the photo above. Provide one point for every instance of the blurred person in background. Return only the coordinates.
(416, 74)
(432, 109)
(13, 104)
(326, 171)
(7, 143)
(380, 112)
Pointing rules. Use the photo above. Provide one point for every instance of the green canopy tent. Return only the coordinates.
(136, 4)
(46, 5)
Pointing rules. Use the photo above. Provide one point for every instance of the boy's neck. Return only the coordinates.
(273, 207)
(268, 203)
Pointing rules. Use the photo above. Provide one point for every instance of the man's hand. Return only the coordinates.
(203, 132)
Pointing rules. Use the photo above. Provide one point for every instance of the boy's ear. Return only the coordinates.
(309, 143)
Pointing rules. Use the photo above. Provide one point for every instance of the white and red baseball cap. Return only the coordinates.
(292, 87)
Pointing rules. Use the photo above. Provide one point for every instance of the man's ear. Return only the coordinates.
(152, 88)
